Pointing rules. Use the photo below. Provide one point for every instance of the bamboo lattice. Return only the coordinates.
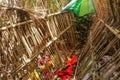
(24, 39)
(100, 58)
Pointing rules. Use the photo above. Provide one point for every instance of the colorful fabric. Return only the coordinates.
(72, 61)
(67, 72)
(41, 62)
(47, 58)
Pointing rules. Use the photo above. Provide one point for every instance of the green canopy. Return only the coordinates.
(80, 7)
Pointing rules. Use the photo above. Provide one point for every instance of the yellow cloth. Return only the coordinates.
(36, 74)
(29, 79)
(42, 67)
(68, 58)
(50, 63)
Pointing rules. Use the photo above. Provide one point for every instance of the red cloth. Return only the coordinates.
(67, 73)
(72, 61)
(41, 62)
(47, 74)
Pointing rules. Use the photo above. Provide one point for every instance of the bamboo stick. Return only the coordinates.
(111, 29)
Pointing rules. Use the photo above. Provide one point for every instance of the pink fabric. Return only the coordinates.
(47, 58)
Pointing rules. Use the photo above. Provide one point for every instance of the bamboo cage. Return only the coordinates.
(27, 36)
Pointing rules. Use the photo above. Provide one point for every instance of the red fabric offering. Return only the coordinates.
(72, 61)
(67, 73)
(47, 74)
(41, 62)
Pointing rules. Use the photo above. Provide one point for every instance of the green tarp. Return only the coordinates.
(80, 7)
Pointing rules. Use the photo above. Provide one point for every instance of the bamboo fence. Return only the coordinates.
(100, 57)
(24, 38)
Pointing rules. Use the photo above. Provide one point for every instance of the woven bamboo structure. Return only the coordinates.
(100, 57)
(27, 36)
(23, 38)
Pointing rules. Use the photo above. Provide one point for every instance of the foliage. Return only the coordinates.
(83, 25)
